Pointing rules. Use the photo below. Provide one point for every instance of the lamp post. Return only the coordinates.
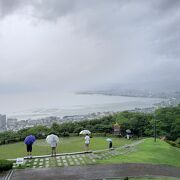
(155, 134)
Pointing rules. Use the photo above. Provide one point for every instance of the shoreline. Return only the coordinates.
(91, 108)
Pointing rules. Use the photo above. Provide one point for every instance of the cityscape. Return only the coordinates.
(13, 124)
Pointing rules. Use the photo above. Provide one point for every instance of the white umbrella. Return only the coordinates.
(109, 139)
(128, 131)
(51, 138)
(85, 132)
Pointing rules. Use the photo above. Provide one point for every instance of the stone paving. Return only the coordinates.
(77, 159)
(59, 161)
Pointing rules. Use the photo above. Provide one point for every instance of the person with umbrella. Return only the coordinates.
(52, 139)
(128, 131)
(29, 140)
(87, 142)
(87, 138)
(110, 142)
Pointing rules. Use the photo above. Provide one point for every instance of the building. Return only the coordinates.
(11, 123)
(2, 123)
(117, 129)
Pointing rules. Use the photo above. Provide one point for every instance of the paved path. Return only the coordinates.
(95, 172)
(3, 175)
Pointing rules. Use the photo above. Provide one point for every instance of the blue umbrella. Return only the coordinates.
(30, 139)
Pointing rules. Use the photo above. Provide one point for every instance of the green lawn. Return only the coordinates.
(146, 152)
(71, 144)
(145, 179)
(149, 152)
(153, 178)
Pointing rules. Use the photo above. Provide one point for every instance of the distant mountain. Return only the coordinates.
(134, 93)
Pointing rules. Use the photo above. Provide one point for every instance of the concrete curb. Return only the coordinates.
(62, 154)
(9, 175)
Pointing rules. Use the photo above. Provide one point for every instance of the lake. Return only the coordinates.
(78, 104)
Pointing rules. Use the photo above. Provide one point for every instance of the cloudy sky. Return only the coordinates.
(67, 45)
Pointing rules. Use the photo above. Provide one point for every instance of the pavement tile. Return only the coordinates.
(77, 163)
(71, 163)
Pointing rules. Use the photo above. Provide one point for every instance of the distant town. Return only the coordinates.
(135, 93)
(13, 124)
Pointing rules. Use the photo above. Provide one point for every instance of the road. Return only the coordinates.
(95, 172)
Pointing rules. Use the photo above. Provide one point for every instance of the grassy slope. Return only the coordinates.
(150, 152)
(151, 179)
(147, 179)
(71, 144)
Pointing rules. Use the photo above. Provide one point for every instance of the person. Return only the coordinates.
(29, 140)
(87, 142)
(53, 146)
(29, 150)
(110, 144)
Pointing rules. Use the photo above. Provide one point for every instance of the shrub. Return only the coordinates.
(5, 165)
(1, 142)
(126, 178)
(172, 143)
(6, 141)
(65, 134)
(178, 141)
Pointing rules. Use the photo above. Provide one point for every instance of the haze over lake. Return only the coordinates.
(65, 104)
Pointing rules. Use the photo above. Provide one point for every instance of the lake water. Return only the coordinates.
(74, 104)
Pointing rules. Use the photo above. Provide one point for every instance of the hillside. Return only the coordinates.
(149, 151)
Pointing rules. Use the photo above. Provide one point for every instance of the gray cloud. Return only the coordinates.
(88, 43)
(49, 10)
(8, 7)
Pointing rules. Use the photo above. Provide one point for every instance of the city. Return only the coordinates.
(7, 124)
(13, 124)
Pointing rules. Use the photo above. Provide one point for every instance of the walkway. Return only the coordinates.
(98, 172)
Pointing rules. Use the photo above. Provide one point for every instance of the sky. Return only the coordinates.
(49, 46)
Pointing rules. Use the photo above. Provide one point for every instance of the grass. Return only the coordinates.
(71, 144)
(146, 152)
(145, 179)
(149, 152)
(150, 178)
